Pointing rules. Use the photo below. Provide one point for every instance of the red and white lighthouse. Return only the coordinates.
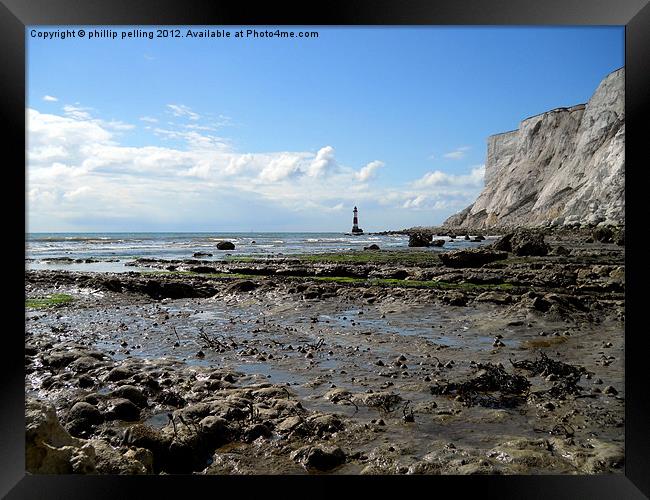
(355, 223)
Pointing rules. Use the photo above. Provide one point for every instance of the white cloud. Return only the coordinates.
(148, 119)
(77, 193)
(323, 163)
(415, 202)
(75, 157)
(183, 111)
(457, 154)
(439, 178)
(283, 167)
(369, 171)
(77, 112)
(50, 98)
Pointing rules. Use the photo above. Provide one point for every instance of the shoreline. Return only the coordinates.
(376, 362)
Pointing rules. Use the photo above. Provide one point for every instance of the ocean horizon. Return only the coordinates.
(111, 251)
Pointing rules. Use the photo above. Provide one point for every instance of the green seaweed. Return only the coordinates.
(346, 280)
(54, 300)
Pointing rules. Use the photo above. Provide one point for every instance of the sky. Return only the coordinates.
(285, 134)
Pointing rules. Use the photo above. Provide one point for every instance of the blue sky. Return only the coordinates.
(273, 134)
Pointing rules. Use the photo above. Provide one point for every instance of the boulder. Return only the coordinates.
(143, 436)
(122, 409)
(319, 457)
(81, 417)
(85, 363)
(437, 243)
(201, 254)
(49, 449)
(419, 239)
(471, 257)
(132, 393)
(215, 428)
(523, 242)
(225, 245)
(371, 247)
(119, 373)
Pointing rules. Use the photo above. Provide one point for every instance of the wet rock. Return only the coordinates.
(85, 364)
(132, 393)
(288, 424)
(143, 436)
(420, 239)
(312, 292)
(215, 428)
(322, 423)
(437, 243)
(455, 298)
(61, 359)
(610, 390)
(119, 373)
(242, 286)
(122, 409)
(85, 381)
(319, 457)
(476, 257)
(225, 245)
(381, 400)
(256, 431)
(523, 242)
(372, 247)
(203, 269)
(337, 394)
(494, 297)
(202, 254)
(81, 417)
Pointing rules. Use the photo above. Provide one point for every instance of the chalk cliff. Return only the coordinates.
(562, 167)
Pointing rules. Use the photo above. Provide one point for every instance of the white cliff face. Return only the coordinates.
(565, 166)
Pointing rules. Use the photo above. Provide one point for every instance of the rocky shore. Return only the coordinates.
(499, 359)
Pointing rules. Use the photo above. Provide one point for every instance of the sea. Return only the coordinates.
(110, 252)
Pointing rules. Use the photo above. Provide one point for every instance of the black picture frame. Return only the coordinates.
(633, 14)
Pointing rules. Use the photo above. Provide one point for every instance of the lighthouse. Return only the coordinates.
(355, 223)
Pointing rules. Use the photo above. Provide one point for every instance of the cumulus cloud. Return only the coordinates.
(439, 178)
(190, 173)
(323, 163)
(369, 171)
(457, 154)
(283, 167)
(50, 98)
(183, 111)
(148, 119)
